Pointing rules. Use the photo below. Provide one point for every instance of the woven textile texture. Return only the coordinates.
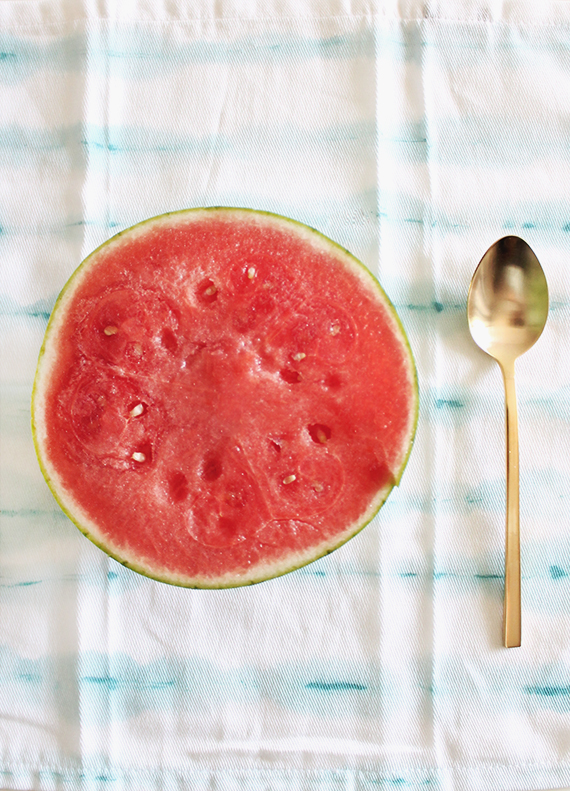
(414, 135)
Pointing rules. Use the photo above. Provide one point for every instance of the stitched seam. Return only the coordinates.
(40, 27)
(384, 769)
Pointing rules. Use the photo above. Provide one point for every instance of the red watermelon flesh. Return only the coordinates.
(222, 396)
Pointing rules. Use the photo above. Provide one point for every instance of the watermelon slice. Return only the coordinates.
(222, 396)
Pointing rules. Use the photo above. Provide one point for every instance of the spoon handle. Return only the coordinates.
(512, 611)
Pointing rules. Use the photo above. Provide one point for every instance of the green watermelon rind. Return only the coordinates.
(273, 570)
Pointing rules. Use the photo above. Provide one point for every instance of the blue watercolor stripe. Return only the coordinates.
(472, 45)
(115, 686)
(550, 568)
(484, 497)
(353, 221)
(40, 309)
(492, 141)
(94, 775)
(33, 513)
(143, 51)
(547, 563)
(128, 143)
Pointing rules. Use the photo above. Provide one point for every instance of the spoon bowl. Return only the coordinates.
(507, 308)
(507, 304)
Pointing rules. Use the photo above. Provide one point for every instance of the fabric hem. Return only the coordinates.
(30, 15)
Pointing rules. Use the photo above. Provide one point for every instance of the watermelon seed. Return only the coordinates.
(137, 349)
(290, 376)
(251, 272)
(319, 433)
(299, 356)
(318, 486)
(137, 456)
(335, 329)
(137, 410)
(110, 330)
(289, 479)
(207, 291)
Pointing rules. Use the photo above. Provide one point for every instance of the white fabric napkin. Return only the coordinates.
(415, 135)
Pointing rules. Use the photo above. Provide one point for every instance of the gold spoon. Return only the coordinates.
(507, 307)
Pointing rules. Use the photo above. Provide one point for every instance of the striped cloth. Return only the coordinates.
(415, 135)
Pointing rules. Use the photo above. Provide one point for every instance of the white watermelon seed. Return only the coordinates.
(299, 356)
(138, 456)
(137, 349)
(110, 330)
(335, 329)
(318, 486)
(321, 436)
(137, 410)
(290, 479)
(210, 291)
(251, 272)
